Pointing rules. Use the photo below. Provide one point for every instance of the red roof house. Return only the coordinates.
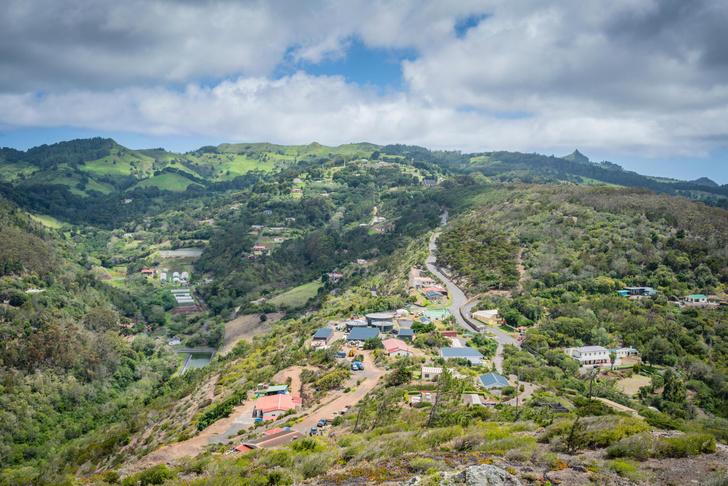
(274, 405)
(396, 347)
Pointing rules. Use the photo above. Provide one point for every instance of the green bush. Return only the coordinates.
(154, 475)
(422, 464)
(625, 469)
(644, 446)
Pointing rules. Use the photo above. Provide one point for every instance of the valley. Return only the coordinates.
(569, 329)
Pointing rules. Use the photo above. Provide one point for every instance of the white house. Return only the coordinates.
(696, 299)
(430, 373)
(396, 347)
(589, 355)
(487, 316)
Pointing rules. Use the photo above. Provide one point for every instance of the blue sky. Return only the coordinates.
(642, 84)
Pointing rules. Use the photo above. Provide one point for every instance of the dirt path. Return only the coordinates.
(245, 327)
(294, 373)
(336, 401)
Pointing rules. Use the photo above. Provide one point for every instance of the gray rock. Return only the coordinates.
(482, 475)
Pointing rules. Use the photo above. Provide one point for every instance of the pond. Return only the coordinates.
(198, 360)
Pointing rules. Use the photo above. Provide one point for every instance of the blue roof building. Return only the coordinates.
(406, 333)
(323, 334)
(471, 354)
(493, 380)
(362, 333)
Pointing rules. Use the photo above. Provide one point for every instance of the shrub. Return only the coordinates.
(422, 464)
(625, 469)
(643, 446)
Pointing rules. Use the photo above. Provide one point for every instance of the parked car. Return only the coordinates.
(314, 431)
(354, 367)
(520, 338)
(321, 423)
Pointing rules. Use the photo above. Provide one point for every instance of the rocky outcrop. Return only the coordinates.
(482, 475)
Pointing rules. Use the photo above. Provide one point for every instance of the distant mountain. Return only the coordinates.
(704, 181)
(576, 156)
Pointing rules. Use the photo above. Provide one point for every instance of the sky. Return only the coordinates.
(641, 83)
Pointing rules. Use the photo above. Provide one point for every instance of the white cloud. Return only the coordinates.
(624, 77)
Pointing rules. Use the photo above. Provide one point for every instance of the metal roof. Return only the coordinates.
(362, 333)
(406, 332)
(493, 379)
(460, 353)
(323, 333)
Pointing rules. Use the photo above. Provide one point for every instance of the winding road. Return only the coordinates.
(460, 308)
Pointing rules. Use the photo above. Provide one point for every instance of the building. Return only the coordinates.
(436, 314)
(419, 282)
(589, 355)
(430, 373)
(184, 276)
(449, 334)
(395, 347)
(639, 291)
(174, 341)
(625, 352)
(322, 337)
(147, 272)
(435, 296)
(493, 380)
(354, 323)
(406, 334)
(334, 277)
(429, 182)
(487, 316)
(163, 277)
(696, 299)
(471, 354)
(268, 390)
(275, 405)
(362, 334)
(384, 321)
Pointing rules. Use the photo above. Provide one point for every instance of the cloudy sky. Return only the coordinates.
(643, 83)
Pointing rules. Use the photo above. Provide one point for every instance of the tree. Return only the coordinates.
(373, 343)
(399, 376)
(612, 358)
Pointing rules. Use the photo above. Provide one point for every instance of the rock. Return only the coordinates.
(482, 475)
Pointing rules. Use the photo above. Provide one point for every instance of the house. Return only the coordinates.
(334, 277)
(486, 316)
(275, 405)
(322, 337)
(589, 355)
(471, 354)
(625, 352)
(174, 341)
(430, 373)
(361, 261)
(297, 190)
(449, 334)
(429, 182)
(127, 201)
(297, 180)
(147, 272)
(696, 299)
(362, 333)
(639, 291)
(269, 390)
(436, 314)
(279, 240)
(271, 440)
(435, 296)
(493, 380)
(420, 282)
(34, 291)
(406, 334)
(268, 211)
(395, 347)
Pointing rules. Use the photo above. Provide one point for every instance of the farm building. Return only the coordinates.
(395, 347)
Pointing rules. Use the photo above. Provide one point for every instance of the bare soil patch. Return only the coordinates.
(632, 385)
(246, 327)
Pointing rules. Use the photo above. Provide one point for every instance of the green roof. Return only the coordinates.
(277, 388)
(698, 296)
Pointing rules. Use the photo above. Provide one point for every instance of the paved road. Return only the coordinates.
(457, 296)
(458, 304)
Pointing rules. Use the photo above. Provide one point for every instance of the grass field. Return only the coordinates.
(297, 296)
(170, 182)
(48, 221)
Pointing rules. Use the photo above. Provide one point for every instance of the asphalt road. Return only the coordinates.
(458, 303)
